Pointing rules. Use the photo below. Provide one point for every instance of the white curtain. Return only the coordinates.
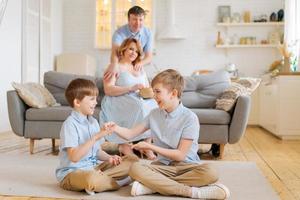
(292, 26)
(3, 4)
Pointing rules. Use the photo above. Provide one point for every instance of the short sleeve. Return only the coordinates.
(117, 38)
(148, 45)
(68, 135)
(191, 128)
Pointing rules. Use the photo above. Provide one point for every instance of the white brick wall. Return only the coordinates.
(197, 18)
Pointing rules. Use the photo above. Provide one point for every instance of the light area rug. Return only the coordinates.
(33, 175)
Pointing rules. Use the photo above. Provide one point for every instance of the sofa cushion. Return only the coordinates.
(243, 86)
(249, 83)
(201, 91)
(227, 100)
(52, 113)
(62, 80)
(212, 116)
(35, 95)
(57, 82)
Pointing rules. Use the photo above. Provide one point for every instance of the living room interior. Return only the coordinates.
(248, 39)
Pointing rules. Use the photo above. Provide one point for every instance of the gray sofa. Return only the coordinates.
(200, 93)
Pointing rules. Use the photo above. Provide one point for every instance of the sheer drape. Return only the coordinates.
(292, 26)
(3, 4)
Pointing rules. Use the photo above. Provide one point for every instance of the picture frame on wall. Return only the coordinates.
(224, 14)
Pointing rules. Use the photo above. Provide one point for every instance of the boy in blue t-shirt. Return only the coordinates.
(175, 132)
(83, 164)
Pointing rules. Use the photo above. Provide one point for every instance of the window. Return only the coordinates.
(292, 27)
(112, 14)
(36, 40)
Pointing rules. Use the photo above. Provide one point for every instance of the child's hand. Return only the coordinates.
(108, 127)
(115, 160)
(141, 146)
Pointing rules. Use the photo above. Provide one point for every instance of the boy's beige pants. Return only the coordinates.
(173, 179)
(94, 180)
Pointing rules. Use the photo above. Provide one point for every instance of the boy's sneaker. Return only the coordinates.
(139, 189)
(213, 191)
(89, 192)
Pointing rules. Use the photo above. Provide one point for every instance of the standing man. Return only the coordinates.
(134, 29)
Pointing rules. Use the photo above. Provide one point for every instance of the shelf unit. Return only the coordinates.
(247, 46)
(252, 24)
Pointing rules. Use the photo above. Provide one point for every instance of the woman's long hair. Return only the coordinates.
(125, 45)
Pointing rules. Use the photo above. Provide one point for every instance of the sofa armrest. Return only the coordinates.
(16, 112)
(239, 119)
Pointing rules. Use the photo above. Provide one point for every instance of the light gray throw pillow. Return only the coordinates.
(35, 95)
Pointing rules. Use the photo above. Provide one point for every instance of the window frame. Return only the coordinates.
(113, 24)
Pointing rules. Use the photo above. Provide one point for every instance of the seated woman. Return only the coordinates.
(122, 103)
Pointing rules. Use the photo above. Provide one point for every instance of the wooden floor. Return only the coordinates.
(278, 160)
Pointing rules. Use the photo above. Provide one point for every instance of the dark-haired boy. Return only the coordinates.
(83, 164)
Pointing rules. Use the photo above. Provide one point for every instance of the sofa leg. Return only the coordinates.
(53, 145)
(222, 146)
(31, 145)
(217, 150)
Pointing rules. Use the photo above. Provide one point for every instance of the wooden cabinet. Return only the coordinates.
(279, 108)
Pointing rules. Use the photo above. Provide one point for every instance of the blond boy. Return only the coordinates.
(175, 131)
(84, 166)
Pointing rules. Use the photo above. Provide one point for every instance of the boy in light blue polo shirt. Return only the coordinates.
(83, 164)
(175, 132)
